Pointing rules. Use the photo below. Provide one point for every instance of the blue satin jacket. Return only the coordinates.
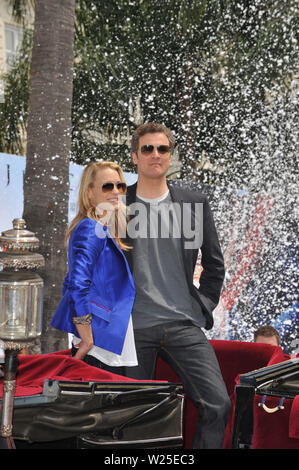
(99, 282)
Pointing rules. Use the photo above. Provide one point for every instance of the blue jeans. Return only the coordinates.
(187, 350)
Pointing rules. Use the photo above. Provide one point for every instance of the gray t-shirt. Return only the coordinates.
(162, 293)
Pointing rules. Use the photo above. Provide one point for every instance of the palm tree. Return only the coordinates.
(46, 181)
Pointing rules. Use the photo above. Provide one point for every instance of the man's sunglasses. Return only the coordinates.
(108, 187)
(148, 149)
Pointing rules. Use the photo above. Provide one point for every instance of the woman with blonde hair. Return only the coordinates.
(98, 291)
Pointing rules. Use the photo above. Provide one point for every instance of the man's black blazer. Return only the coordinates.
(211, 279)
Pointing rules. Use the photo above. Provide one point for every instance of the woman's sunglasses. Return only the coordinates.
(148, 149)
(107, 187)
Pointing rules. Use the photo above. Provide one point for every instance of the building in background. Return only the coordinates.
(11, 34)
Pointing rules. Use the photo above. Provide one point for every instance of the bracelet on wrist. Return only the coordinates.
(84, 320)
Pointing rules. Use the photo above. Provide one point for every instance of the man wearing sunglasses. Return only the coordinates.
(169, 311)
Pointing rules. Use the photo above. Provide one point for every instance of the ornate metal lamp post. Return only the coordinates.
(21, 305)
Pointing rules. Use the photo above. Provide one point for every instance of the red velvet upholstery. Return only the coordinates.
(275, 430)
(33, 370)
(235, 358)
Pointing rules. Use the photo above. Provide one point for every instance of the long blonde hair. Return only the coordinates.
(85, 208)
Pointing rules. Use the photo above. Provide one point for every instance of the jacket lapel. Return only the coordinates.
(177, 195)
(130, 199)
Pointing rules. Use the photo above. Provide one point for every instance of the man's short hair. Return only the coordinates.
(151, 127)
(267, 331)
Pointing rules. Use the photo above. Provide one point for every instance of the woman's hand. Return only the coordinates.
(86, 343)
